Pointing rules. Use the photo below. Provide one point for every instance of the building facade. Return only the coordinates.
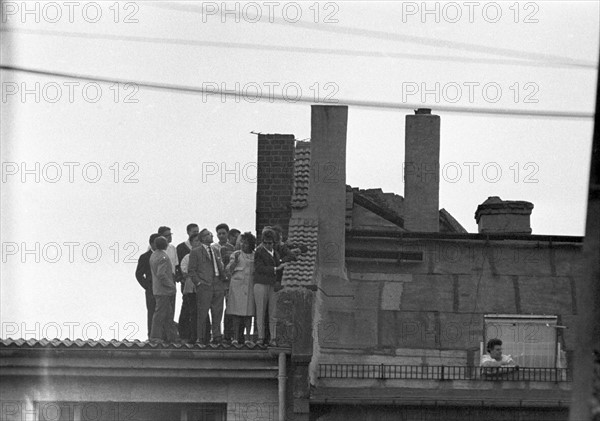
(401, 299)
(383, 317)
(63, 380)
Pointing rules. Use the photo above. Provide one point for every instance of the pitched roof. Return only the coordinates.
(302, 231)
(301, 175)
(449, 224)
(113, 344)
(389, 201)
(375, 201)
(389, 206)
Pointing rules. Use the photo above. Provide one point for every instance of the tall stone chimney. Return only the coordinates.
(422, 172)
(327, 191)
(274, 184)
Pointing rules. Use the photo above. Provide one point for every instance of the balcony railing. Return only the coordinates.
(441, 372)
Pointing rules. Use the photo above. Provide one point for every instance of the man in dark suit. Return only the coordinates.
(143, 274)
(208, 275)
(226, 249)
(183, 249)
(267, 266)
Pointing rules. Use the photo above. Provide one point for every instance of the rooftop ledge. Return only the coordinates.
(358, 233)
(34, 348)
(380, 384)
(429, 396)
(135, 359)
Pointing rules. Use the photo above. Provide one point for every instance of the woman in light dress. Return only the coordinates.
(240, 302)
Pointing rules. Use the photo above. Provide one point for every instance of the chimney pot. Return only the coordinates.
(423, 111)
(497, 216)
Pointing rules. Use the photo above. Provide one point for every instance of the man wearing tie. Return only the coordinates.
(208, 275)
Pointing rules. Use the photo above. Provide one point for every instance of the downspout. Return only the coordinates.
(282, 378)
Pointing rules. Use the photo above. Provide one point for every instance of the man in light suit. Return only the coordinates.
(208, 275)
(163, 288)
(171, 250)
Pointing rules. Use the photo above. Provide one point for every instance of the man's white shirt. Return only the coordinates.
(488, 361)
(172, 253)
(214, 255)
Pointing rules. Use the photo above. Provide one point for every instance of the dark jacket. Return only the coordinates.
(182, 251)
(143, 274)
(264, 266)
(285, 254)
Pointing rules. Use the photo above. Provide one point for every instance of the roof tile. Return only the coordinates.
(113, 343)
(300, 272)
(301, 175)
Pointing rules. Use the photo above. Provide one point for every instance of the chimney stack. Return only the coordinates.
(327, 191)
(421, 172)
(275, 172)
(497, 216)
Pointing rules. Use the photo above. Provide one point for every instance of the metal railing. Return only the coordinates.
(442, 372)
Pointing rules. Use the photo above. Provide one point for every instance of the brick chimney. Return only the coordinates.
(421, 172)
(497, 216)
(275, 172)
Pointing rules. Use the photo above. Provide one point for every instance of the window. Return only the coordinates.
(530, 340)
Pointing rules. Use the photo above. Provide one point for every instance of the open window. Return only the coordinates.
(530, 340)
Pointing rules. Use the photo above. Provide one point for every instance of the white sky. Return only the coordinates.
(169, 137)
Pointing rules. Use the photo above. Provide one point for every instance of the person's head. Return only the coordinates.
(166, 232)
(248, 242)
(195, 240)
(238, 243)
(265, 229)
(222, 231)
(191, 230)
(161, 243)
(268, 239)
(206, 237)
(494, 347)
(233, 235)
(152, 238)
(278, 233)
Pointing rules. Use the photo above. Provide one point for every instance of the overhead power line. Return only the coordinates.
(281, 98)
(389, 36)
(289, 49)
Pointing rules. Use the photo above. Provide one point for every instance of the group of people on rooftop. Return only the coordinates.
(232, 277)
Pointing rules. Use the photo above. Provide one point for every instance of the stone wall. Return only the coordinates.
(431, 312)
